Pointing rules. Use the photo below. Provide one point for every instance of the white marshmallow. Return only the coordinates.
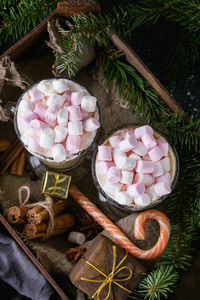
(112, 188)
(142, 200)
(127, 177)
(46, 137)
(76, 237)
(62, 116)
(151, 192)
(140, 149)
(46, 87)
(147, 179)
(75, 128)
(26, 105)
(158, 170)
(60, 85)
(60, 134)
(123, 198)
(55, 99)
(88, 103)
(135, 156)
(125, 163)
(165, 164)
(58, 152)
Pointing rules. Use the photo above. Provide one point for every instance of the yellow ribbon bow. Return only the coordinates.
(109, 279)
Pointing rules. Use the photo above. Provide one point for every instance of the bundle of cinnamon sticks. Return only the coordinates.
(13, 156)
(35, 220)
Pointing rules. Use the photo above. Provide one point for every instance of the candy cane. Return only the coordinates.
(139, 228)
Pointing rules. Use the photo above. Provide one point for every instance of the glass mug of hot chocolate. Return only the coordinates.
(57, 120)
(135, 168)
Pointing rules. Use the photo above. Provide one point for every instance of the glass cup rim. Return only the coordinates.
(133, 208)
(41, 156)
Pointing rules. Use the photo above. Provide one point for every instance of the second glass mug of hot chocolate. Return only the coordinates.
(134, 168)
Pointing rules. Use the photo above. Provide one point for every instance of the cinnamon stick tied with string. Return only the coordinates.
(61, 224)
(38, 214)
(17, 215)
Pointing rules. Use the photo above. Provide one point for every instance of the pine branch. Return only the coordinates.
(18, 19)
(130, 85)
(158, 283)
(186, 135)
(179, 252)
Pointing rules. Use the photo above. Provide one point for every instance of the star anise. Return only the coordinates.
(89, 226)
(75, 253)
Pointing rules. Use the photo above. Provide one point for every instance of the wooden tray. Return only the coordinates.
(31, 42)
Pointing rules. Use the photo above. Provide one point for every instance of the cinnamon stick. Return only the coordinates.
(39, 214)
(17, 215)
(13, 169)
(4, 144)
(10, 155)
(21, 163)
(61, 224)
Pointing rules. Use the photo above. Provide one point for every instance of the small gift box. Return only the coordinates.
(107, 271)
(55, 185)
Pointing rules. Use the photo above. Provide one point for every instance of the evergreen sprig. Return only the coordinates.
(158, 283)
(131, 86)
(21, 16)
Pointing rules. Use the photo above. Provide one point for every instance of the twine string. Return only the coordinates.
(109, 279)
(47, 204)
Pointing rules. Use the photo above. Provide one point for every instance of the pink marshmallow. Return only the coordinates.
(130, 133)
(76, 97)
(105, 153)
(140, 131)
(165, 177)
(24, 121)
(135, 190)
(146, 157)
(144, 166)
(90, 124)
(85, 115)
(66, 104)
(115, 140)
(34, 144)
(40, 110)
(149, 141)
(103, 166)
(51, 115)
(36, 95)
(128, 143)
(155, 154)
(67, 96)
(74, 113)
(162, 188)
(73, 143)
(37, 124)
(163, 145)
(147, 179)
(113, 175)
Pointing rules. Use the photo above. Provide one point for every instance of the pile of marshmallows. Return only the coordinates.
(56, 118)
(136, 167)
